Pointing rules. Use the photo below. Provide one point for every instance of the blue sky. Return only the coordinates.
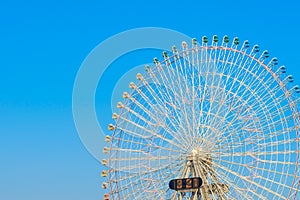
(42, 45)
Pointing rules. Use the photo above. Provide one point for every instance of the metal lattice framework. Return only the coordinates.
(222, 111)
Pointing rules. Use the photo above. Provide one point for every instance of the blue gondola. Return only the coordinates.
(246, 44)
(282, 69)
(226, 39)
(265, 54)
(204, 39)
(236, 41)
(215, 38)
(290, 79)
(256, 48)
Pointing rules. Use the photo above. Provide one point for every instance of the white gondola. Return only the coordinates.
(104, 185)
(107, 138)
(115, 116)
(105, 150)
(139, 76)
(104, 162)
(125, 95)
(106, 197)
(132, 85)
(120, 105)
(104, 173)
(155, 61)
(111, 127)
(184, 45)
(174, 49)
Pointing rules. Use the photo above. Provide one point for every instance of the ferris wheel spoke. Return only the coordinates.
(139, 135)
(147, 144)
(256, 175)
(249, 85)
(271, 135)
(235, 118)
(213, 92)
(277, 143)
(241, 191)
(193, 95)
(176, 122)
(278, 123)
(258, 147)
(149, 158)
(276, 112)
(250, 181)
(138, 178)
(151, 128)
(221, 176)
(184, 96)
(144, 109)
(149, 123)
(234, 130)
(149, 102)
(137, 174)
(273, 104)
(239, 154)
(213, 96)
(168, 82)
(162, 109)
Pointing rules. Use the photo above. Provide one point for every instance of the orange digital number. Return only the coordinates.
(188, 183)
(179, 184)
(195, 183)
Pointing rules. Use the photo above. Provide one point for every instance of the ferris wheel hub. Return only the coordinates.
(198, 155)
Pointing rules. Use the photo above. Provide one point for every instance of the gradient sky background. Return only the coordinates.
(42, 45)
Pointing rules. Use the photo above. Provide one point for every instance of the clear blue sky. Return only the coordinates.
(42, 45)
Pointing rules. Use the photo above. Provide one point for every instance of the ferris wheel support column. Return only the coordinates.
(204, 188)
(204, 167)
(186, 172)
(198, 171)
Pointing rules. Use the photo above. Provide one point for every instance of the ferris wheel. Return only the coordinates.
(214, 120)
